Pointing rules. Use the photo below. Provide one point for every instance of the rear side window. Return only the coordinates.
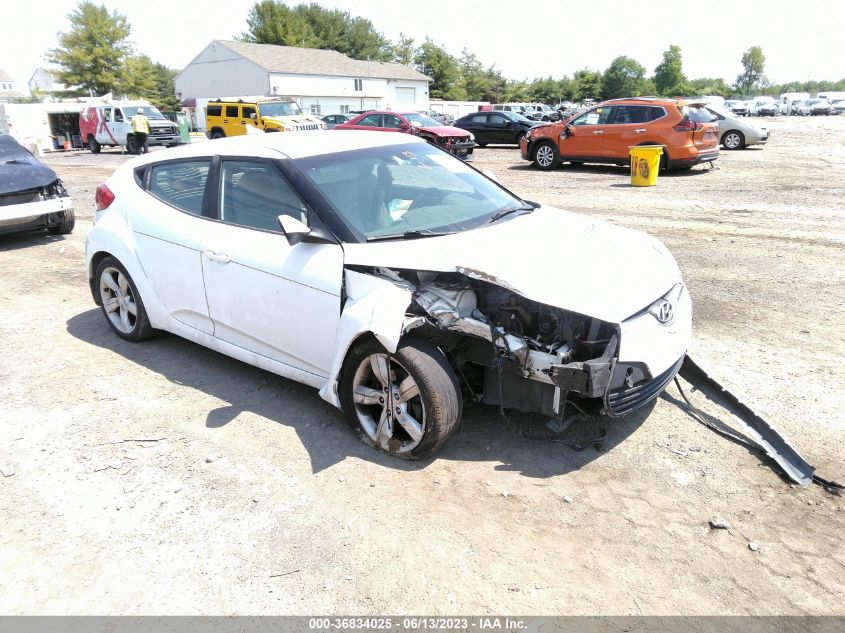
(631, 114)
(655, 112)
(373, 120)
(181, 184)
(214, 110)
(232, 111)
(479, 118)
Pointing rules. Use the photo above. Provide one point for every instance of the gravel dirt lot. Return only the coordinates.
(163, 478)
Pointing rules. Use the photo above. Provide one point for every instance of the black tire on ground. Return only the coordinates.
(66, 225)
(142, 329)
(93, 145)
(546, 156)
(439, 389)
(132, 145)
(217, 134)
(481, 143)
(733, 139)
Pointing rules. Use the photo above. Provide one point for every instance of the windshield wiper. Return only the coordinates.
(503, 212)
(409, 235)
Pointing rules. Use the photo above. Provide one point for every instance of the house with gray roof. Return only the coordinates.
(321, 81)
(8, 87)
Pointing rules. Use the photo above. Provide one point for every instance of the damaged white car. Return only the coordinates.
(391, 276)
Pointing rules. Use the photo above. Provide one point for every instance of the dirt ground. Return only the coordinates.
(165, 478)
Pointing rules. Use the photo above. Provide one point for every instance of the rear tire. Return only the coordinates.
(423, 391)
(118, 298)
(66, 225)
(733, 139)
(546, 155)
(93, 145)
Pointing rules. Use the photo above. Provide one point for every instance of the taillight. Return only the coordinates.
(687, 125)
(104, 197)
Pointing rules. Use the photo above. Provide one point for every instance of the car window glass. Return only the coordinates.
(373, 120)
(232, 111)
(626, 114)
(596, 116)
(215, 110)
(248, 111)
(700, 115)
(181, 184)
(254, 194)
(118, 115)
(391, 121)
(655, 112)
(107, 114)
(478, 118)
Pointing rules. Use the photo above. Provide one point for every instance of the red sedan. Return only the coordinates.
(454, 140)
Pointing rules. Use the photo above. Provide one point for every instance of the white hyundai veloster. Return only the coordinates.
(391, 276)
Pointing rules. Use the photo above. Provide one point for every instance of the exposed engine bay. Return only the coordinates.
(508, 350)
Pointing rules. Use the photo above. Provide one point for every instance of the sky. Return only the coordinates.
(537, 39)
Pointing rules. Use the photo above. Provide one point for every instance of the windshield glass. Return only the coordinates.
(420, 120)
(515, 116)
(149, 112)
(721, 111)
(279, 108)
(411, 187)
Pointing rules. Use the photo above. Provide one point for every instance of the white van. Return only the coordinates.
(111, 124)
(789, 99)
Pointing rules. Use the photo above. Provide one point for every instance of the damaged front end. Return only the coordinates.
(515, 353)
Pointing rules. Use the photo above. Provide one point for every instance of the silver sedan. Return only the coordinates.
(737, 132)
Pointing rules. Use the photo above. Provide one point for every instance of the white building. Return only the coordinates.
(321, 81)
(8, 87)
(43, 80)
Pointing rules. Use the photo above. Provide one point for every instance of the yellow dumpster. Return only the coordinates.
(645, 163)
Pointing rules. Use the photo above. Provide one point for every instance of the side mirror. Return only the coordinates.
(568, 131)
(508, 124)
(297, 231)
(404, 126)
(252, 116)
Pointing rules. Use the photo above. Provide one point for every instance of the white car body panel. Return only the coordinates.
(601, 250)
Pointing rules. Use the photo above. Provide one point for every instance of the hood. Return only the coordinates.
(20, 170)
(160, 122)
(444, 130)
(561, 259)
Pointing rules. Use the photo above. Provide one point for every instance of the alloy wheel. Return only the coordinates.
(388, 404)
(118, 300)
(544, 156)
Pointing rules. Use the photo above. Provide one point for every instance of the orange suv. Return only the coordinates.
(688, 133)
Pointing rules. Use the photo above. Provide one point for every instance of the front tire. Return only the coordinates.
(121, 303)
(66, 225)
(407, 403)
(546, 156)
(733, 139)
(132, 145)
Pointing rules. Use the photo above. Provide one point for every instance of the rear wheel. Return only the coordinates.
(733, 139)
(546, 155)
(93, 145)
(132, 145)
(407, 403)
(66, 224)
(121, 303)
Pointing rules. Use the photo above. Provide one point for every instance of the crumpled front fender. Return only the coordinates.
(374, 305)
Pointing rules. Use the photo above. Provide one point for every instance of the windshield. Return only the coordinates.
(421, 120)
(515, 116)
(149, 112)
(721, 111)
(389, 191)
(279, 108)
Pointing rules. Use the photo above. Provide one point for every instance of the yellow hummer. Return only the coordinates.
(231, 118)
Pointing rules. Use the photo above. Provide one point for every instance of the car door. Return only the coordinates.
(369, 122)
(478, 124)
(586, 134)
(231, 121)
(500, 128)
(628, 127)
(264, 295)
(168, 229)
(247, 118)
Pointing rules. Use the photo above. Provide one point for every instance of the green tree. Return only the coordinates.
(669, 74)
(91, 54)
(477, 82)
(272, 22)
(623, 78)
(753, 64)
(404, 50)
(587, 85)
(434, 61)
(165, 92)
(545, 91)
(137, 77)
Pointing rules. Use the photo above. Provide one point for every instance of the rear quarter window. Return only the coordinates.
(180, 184)
(215, 110)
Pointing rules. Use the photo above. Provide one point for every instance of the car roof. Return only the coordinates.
(284, 144)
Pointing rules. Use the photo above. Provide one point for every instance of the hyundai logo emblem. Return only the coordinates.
(665, 312)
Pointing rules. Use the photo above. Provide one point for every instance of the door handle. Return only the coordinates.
(222, 258)
(599, 132)
(640, 130)
(225, 120)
